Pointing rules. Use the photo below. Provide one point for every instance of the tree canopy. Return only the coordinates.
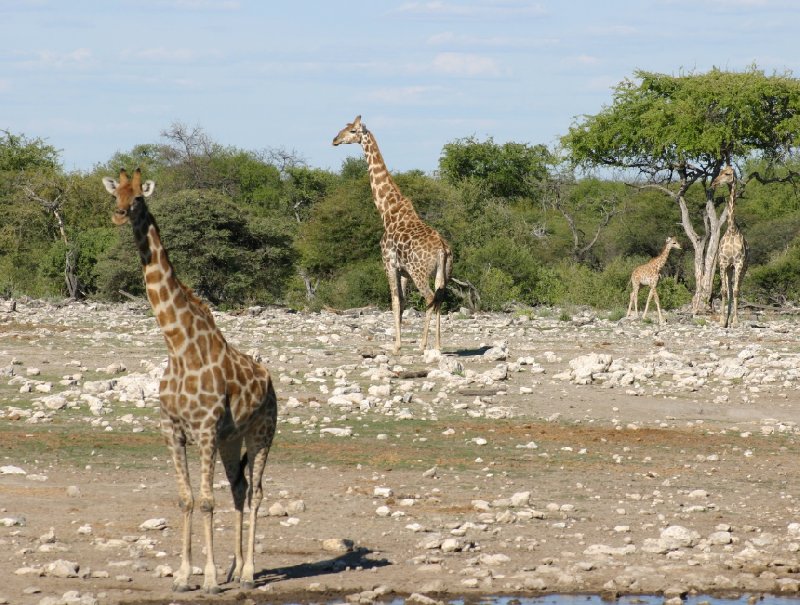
(680, 130)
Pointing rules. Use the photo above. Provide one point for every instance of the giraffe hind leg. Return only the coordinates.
(235, 470)
(633, 303)
(647, 304)
(258, 443)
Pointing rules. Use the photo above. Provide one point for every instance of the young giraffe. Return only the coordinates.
(409, 247)
(648, 274)
(732, 254)
(211, 394)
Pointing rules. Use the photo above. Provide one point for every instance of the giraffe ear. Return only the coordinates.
(110, 184)
(148, 187)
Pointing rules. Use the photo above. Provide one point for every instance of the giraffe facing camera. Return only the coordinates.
(211, 394)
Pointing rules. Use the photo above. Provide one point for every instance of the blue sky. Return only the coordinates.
(96, 77)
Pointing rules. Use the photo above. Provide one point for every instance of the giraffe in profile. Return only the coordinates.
(648, 274)
(211, 394)
(409, 247)
(732, 254)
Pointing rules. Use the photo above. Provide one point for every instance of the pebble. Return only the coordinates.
(337, 545)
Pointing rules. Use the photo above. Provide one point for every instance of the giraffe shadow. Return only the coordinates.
(470, 352)
(357, 558)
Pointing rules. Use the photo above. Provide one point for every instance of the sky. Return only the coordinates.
(96, 77)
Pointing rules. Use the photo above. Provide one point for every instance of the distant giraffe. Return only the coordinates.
(732, 254)
(648, 274)
(211, 394)
(409, 247)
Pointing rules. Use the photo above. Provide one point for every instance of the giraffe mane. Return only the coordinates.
(196, 302)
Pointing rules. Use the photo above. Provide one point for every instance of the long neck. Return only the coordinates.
(167, 295)
(661, 260)
(385, 192)
(732, 207)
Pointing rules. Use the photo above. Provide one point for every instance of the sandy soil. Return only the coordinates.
(461, 482)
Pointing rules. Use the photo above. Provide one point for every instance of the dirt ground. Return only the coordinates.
(439, 477)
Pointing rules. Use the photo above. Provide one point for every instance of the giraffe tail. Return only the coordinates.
(444, 268)
(241, 478)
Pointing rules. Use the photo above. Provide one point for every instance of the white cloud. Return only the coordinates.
(200, 5)
(480, 9)
(602, 83)
(614, 30)
(406, 95)
(465, 64)
(581, 60)
(460, 40)
(48, 58)
(171, 55)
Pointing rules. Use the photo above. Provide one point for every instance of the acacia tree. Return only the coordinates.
(678, 131)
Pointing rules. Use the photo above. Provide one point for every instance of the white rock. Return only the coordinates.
(154, 524)
(277, 510)
(677, 536)
(720, 537)
(337, 545)
(496, 559)
(163, 571)
(450, 545)
(382, 492)
(520, 499)
(451, 365)
(499, 352)
(431, 355)
(62, 569)
(11, 470)
(337, 432)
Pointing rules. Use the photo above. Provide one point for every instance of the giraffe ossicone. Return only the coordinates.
(648, 274)
(211, 394)
(410, 248)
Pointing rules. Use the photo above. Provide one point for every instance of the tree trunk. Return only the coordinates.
(706, 248)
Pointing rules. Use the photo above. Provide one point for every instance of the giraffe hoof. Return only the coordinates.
(247, 585)
(180, 587)
(215, 589)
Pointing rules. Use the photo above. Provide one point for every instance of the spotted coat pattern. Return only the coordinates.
(211, 394)
(409, 247)
(648, 274)
(732, 254)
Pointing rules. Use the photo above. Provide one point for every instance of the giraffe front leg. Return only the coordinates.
(658, 306)
(208, 455)
(630, 303)
(186, 503)
(396, 289)
(723, 312)
(428, 314)
(737, 278)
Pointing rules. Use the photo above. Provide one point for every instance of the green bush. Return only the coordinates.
(359, 285)
(778, 281)
(497, 289)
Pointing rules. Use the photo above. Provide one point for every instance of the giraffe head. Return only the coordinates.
(725, 177)
(352, 133)
(672, 243)
(128, 192)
